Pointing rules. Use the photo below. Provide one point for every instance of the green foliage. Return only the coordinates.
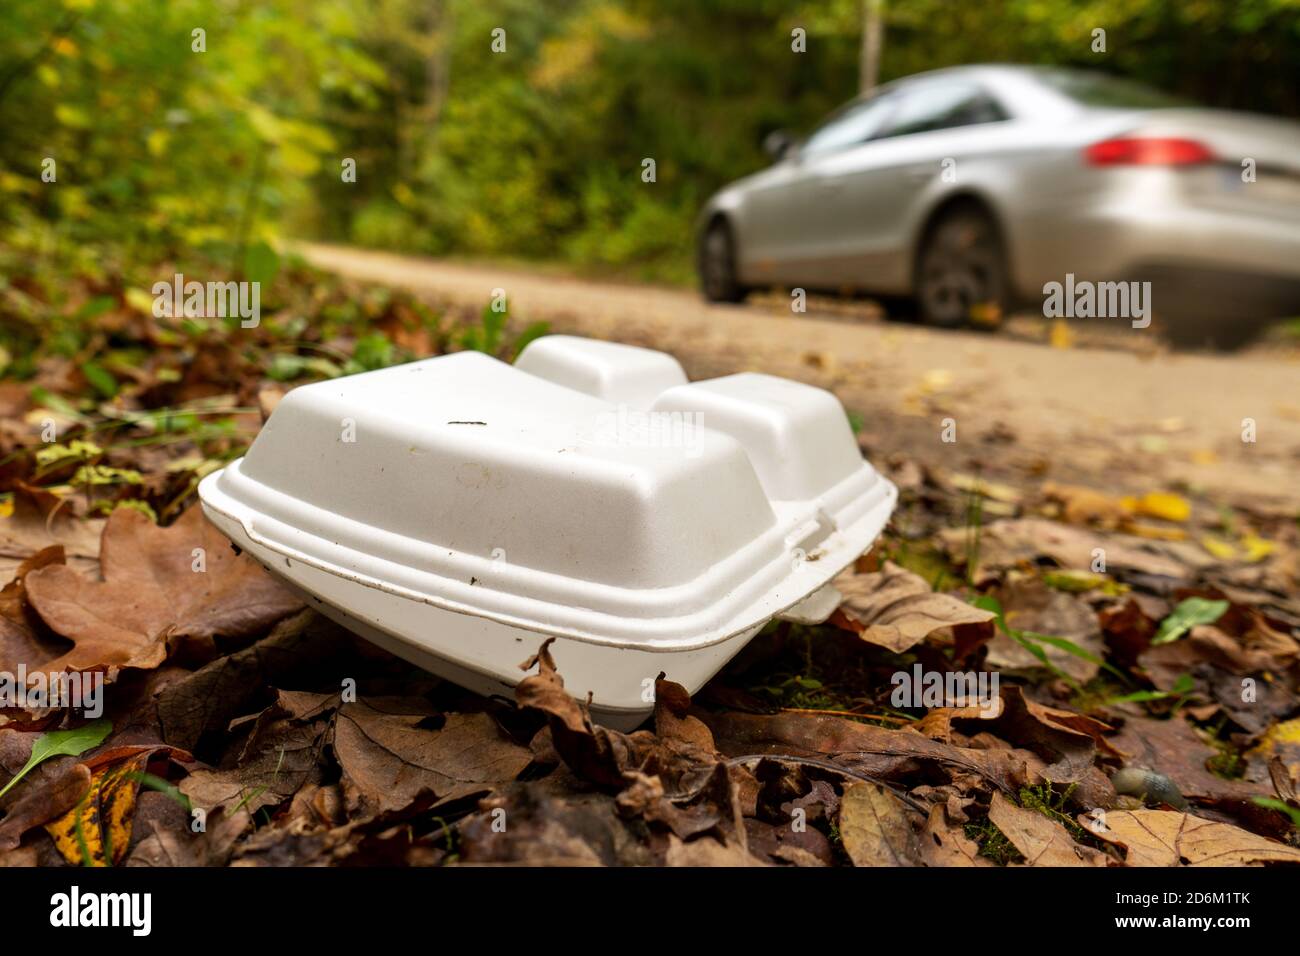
(993, 843)
(1189, 613)
(58, 743)
(536, 151)
(155, 144)
(489, 334)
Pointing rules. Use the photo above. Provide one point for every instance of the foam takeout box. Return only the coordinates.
(459, 510)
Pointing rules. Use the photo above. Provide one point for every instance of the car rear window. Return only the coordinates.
(1097, 89)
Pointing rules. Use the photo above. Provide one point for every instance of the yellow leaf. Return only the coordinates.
(986, 314)
(97, 831)
(1157, 532)
(935, 380)
(1257, 549)
(988, 489)
(71, 116)
(1062, 335)
(139, 300)
(157, 142)
(1164, 505)
(1218, 547)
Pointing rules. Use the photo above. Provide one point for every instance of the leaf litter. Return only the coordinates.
(1174, 657)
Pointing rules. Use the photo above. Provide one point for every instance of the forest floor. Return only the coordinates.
(1099, 537)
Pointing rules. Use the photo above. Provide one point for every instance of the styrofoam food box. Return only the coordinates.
(458, 510)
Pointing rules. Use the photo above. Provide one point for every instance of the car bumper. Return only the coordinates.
(1197, 257)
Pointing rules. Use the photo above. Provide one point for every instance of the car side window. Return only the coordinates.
(853, 124)
(942, 106)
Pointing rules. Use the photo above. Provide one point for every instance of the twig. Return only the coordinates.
(846, 713)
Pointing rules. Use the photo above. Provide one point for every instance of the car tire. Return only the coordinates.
(717, 265)
(1191, 331)
(961, 268)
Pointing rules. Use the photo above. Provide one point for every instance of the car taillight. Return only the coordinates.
(1147, 151)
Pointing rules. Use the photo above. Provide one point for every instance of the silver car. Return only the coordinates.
(971, 189)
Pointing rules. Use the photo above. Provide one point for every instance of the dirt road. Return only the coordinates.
(1126, 418)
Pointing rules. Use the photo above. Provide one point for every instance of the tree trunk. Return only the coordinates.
(873, 29)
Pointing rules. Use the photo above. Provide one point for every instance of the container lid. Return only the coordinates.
(587, 491)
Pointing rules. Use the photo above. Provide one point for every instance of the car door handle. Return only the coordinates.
(919, 174)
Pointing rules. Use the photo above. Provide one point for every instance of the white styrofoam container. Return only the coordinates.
(456, 510)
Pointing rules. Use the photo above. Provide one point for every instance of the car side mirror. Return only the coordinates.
(778, 144)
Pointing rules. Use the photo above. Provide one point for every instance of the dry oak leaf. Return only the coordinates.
(1169, 838)
(212, 847)
(709, 852)
(24, 642)
(1007, 543)
(152, 594)
(603, 756)
(875, 751)
(895, 609)
(389, 759)
(875, 828)
(547, 828)
(1040, 840)
(41, 520)
(942, 844)
(36, 806)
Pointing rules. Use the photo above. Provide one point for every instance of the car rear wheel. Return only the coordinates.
(717, 265)
(1195, 330)
(961, 270)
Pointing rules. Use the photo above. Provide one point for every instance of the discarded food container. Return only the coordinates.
(457, 510)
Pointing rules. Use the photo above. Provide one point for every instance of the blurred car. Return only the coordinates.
(971, 188)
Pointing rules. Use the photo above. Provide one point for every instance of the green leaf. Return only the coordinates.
(986, 602)
(533, 331)
(63, 743)
(100, 379)
(1188, 614)
(1067, 645)
(96, 307)
(372, 352)
(1139, 697)
(261, 264)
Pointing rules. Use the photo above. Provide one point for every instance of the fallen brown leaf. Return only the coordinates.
(1030, 605)
(941, 844)
(1168, 838)
(1008, 543)
(895, 609)
(36, 524)
(1041, 841)
(388, 759)
(875, 827)
(152, 594)
(212, 847)
(41, 803)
